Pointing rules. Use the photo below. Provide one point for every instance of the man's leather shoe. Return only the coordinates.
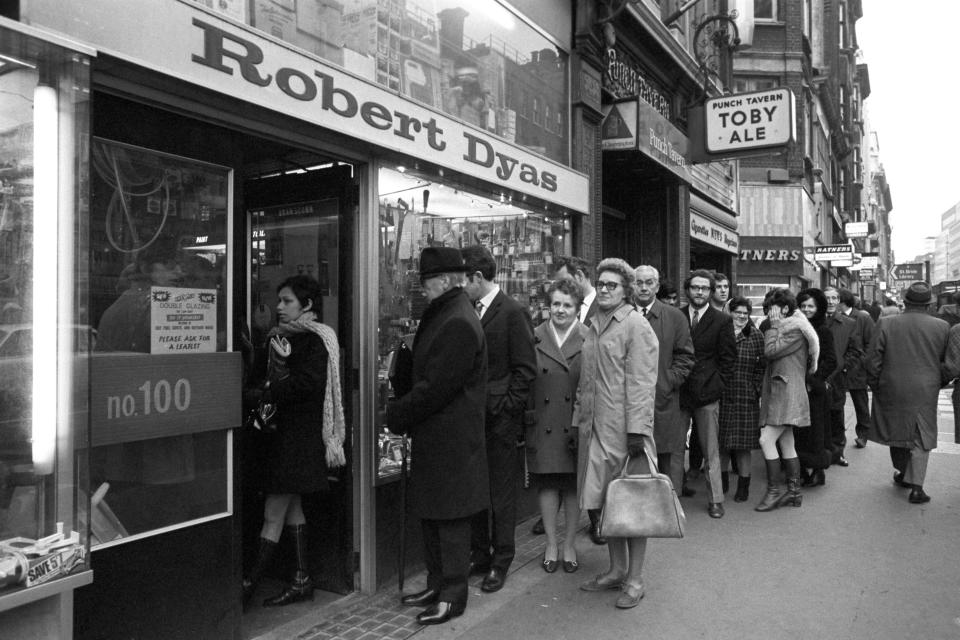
(841, 461)
(918, 496)
(493, 581)
(537, 528)
(860, 442)
(421, 599)
(440, 613)
(630, 596)
(898, 480)
(715, 510)
(479, 567)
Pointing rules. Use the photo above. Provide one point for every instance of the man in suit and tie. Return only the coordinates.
(675, 363)
(850, 351)
(715, 351)
(511, 368)
(579, 270)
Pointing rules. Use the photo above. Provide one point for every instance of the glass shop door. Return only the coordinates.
(303, 223)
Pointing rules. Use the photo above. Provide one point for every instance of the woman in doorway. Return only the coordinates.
(791, 348)
(614, 412)
(304, 384)
(740, 406)
(552, 440)
(814, 446)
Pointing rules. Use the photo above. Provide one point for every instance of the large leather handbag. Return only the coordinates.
(642, 506)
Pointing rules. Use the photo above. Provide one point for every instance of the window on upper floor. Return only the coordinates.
(842, 26)
(765, 10)
(746, 84)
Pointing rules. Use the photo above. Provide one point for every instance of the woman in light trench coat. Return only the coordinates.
(614, 413)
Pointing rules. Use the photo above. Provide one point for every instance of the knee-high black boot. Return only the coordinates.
(302, 586)
(265, 555)
(775, 490)
(793, 496)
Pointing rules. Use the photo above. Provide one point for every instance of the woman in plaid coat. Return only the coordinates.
(740, 404)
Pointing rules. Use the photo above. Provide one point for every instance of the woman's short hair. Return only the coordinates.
(620, 267)
(567, 286)
(781, 297)
(307, 290)
(740, 301)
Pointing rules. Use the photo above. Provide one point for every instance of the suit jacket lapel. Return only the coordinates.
(494, 308)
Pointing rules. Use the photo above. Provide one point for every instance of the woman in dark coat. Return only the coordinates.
(813, 445)
(308, 437)
(552, 439)
(740, 404)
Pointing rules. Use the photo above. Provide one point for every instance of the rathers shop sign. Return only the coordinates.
(235, 60)
(748, 121)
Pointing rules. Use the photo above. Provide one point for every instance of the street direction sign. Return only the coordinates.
(910, 272)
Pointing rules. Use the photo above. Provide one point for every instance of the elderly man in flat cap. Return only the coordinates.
(444, 415)
(905, 370)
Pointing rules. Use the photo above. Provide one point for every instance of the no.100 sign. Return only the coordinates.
(141, 396)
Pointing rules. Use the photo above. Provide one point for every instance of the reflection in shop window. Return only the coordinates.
(472, 60)
(158, 246)
(415, 212)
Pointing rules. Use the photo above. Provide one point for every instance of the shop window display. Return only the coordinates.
(159, 229)
(473, 60)
(45, 336)
(417, 212)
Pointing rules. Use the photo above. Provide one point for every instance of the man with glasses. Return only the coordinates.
(715, 349)
(511, 369)
(675, 362)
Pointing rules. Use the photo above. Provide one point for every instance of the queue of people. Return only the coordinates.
(615, 382)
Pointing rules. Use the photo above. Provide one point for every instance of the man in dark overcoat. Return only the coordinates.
(444, 415)
(511, 369)
(905, 365)
(857, 377)
(715, 351)
(675, 363)
(850, 351)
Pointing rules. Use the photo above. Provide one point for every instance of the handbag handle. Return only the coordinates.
(650, 460)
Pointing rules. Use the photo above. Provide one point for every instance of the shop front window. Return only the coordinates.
(472, 60)
(417, 212)
(45, 335)
(160, 379)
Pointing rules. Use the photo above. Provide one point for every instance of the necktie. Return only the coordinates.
(479, 306)
(696, 319)
(645, 312)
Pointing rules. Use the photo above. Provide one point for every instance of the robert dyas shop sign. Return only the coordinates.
(236, 60)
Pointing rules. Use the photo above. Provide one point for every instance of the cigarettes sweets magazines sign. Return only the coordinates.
(236, 60)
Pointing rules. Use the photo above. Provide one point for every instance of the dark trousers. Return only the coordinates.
(838, 432)
(492, 533)
(446, 551)
(861, 404)
(899, 456)
(956, 412)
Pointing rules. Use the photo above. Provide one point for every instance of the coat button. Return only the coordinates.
(567, 398)
(545, 371)
(546, 401)
(549, 430)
